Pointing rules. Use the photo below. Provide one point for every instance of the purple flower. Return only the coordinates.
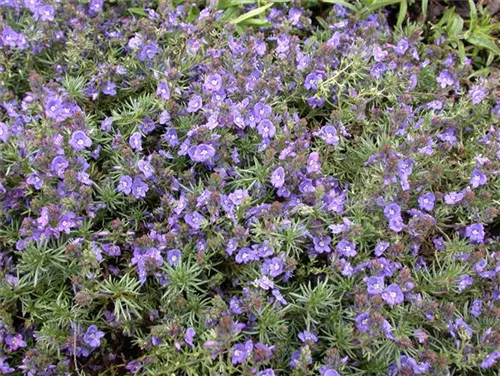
(435, 105)
(475, 233)
(171, 137)
(378, 70)
(322, 244)
(139, 188)
(463, 282)
(379, 54)
(15, 342)
(426, 201)
(4, 132)
(136, 141)
(375, 285)
(392, 211)
(312, 80)
(448, 136)
(278, 177)
(134, 366)
(265, 250)
(245, 255)
(346, 248)
(194, 219)
(79, 141)
(95, 6)
(396, 224)
(174, 257)
(146, 262)
(411, 364)
(148, 52)
(476, 308)
(238, 196)
(445, 79)
(35, 180)
(145, 167)
(265, 283)
(478, 178)
(491, 359)
(92, 336)
(313, 165)
(402, 47)
(212, 83)
(44, 13)
(201, 153)
(195, 103)
(363, 322)
(266, 129)
(315, 102)
(324, 371)
(109, 89)
(453, 198)
(380, 248)
(262, 111)
(307, 336)
(125, 185)
(273, 267)
(262, 352)
(66, 222)
(59, 165)
(393, 295)
(189, 336)
(477, 93)
(266, 372)
(329, 134)
(5, 368)
(163, 91)
(241, 352)
(9, 37)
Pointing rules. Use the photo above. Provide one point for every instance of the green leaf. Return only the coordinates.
(377, 4)
(447, 16)
(473, 15)
(138, 11)
(322, 22)
(461, 51)
(490, 59)
(455, 25)
(251, 14)
(484, 42)
(229, 14)
(224, 4)
(256, 22)
(402, 13)
(345, 4)
(425, 4)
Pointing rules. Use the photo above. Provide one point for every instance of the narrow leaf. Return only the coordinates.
(455, 25)
(344, 3)
(482, 41)
(138, 11)
(224, 4)
(402, 13)
(382, 3)
(425, 5)
(251, 14)
(473, 15)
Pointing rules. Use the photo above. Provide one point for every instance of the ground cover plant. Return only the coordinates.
(186, 190)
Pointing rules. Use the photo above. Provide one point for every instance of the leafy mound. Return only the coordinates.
(178, 197)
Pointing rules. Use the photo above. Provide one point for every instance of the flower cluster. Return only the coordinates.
(180, 196)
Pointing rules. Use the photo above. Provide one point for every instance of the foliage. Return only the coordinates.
(241, 188)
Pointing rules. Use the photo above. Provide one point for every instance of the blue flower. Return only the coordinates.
(278, 177)
(375, 285)
(92, 336)
(393, 295)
